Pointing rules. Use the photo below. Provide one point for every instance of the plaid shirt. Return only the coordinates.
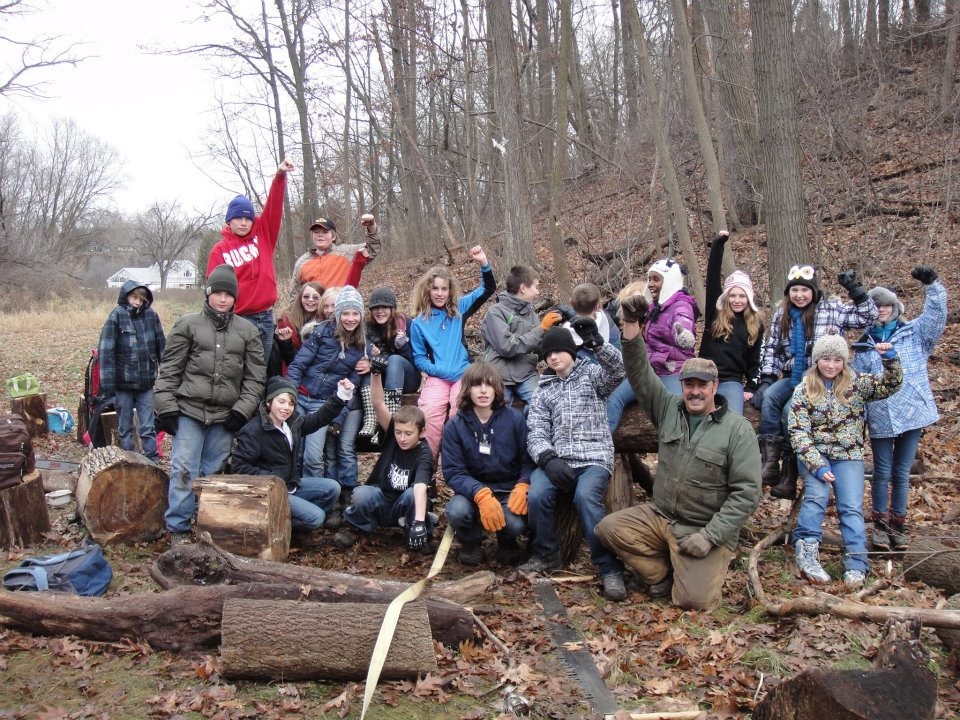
(569, 415)
(777, 357)
(912, 406)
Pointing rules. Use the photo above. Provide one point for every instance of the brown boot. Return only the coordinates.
(899, 539)
(880, 539)
(771, 447)
(786, 487)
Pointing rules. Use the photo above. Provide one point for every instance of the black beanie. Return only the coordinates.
(223, 278)
(558, 339)
(813, 283)
(278, 386)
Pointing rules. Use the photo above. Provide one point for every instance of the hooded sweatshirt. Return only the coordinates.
(131, 344)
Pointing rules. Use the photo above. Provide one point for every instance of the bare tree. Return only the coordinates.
(165, 234)
(35, 56)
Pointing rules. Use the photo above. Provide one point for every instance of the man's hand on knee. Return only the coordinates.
(696, 545)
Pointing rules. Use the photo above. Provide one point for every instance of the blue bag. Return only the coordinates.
(84, 571)
(60, 420)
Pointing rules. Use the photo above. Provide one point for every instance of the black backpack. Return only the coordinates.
(16, 450)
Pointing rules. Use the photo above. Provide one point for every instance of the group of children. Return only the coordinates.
(338, 372)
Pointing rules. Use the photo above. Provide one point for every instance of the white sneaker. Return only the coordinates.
(808, 560)
(854, 579)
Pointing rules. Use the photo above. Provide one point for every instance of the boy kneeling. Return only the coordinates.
(397, 491)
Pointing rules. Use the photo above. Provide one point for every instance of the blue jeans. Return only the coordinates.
(892, 458)
(313, 444)
(848, 491)
(311, 501)
(370, 508)
(623, 395)
(126, 401)
(733, 392)
(266, 325)
(776, 406)
(463, 516)
(588, 489)
(400, 375)
(198, 451)
(524, 390)
(341, 451)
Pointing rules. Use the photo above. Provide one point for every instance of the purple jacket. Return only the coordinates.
(665, 357)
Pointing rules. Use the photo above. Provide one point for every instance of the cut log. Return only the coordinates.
(246, 514)
(33, 409)
(184, 618)
(266, 640)
(121, 496)
(899, 686)
(636, 433)
(934, 563)
(23, 513)
(951, 638)
(110, 425)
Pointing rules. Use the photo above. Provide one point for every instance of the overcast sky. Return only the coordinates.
(152, 109)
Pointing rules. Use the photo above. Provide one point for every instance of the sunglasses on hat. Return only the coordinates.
(801, 272)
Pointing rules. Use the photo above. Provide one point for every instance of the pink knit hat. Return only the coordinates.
(737, 279)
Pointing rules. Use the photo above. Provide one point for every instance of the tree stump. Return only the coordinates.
(246, 514)
(285, 640)
(934, 563)
(23, 513)
(121, 496)
(899, 686)
(33, 409)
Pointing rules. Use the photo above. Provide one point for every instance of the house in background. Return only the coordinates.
(182, 275)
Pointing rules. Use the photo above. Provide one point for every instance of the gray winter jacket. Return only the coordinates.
(511, 337)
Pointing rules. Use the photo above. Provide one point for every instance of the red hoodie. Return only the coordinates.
(252, 255)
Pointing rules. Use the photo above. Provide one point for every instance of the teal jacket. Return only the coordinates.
(709, 480)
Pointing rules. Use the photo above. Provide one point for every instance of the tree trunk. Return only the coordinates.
(33, 410)
(121, 496)
(951, 17)
(288, 641)
(848, 44)
(783, 208)
(23, 513)
(901, 685)
(345, 161)
(559, 158)
(246, 514)
(518, 239)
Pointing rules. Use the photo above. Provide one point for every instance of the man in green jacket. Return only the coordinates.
(211, 380)
(707, 483)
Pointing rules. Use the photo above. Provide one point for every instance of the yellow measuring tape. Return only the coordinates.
(390, 618)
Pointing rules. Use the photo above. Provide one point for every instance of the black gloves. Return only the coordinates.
(849, 282)
(925, 274)
(234, 422)
(167, 423)
(559, 472)
(378, 364)
(634, 309)
(567, 313)
(586, 328)
(333, 429)
(417, 535)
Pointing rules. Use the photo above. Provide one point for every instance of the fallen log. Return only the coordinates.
(203, 563)
(263, 640)
(188, 617)
(900, 685)
(121, 496)
(933, 563)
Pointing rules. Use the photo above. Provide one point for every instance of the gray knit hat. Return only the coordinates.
(833, 344)
(886, 296)
(279, 386)
(223, 278)
(348, 299)
(383, 297)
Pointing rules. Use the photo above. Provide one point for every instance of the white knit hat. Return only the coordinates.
(738, 279)
(348, 298)
(833, 344)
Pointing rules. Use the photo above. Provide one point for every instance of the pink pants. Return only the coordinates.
(436, 398)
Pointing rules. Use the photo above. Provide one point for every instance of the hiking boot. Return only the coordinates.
(771, 446)
(614, 588)
(334, 520)
(854, 579)
(344, 539)
(808, 560)
(180, 538)
(509, 552)
(542, 565)
(470, 555)
(786, 487)
(880, 538)
(899, 539)
(661, 589)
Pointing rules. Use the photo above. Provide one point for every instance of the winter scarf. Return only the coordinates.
(798, 346)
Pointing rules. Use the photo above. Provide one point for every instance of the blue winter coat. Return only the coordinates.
(467, 470)
(912, 406)
(131, 344)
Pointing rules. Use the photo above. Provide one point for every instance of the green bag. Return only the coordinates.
(23, 385)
